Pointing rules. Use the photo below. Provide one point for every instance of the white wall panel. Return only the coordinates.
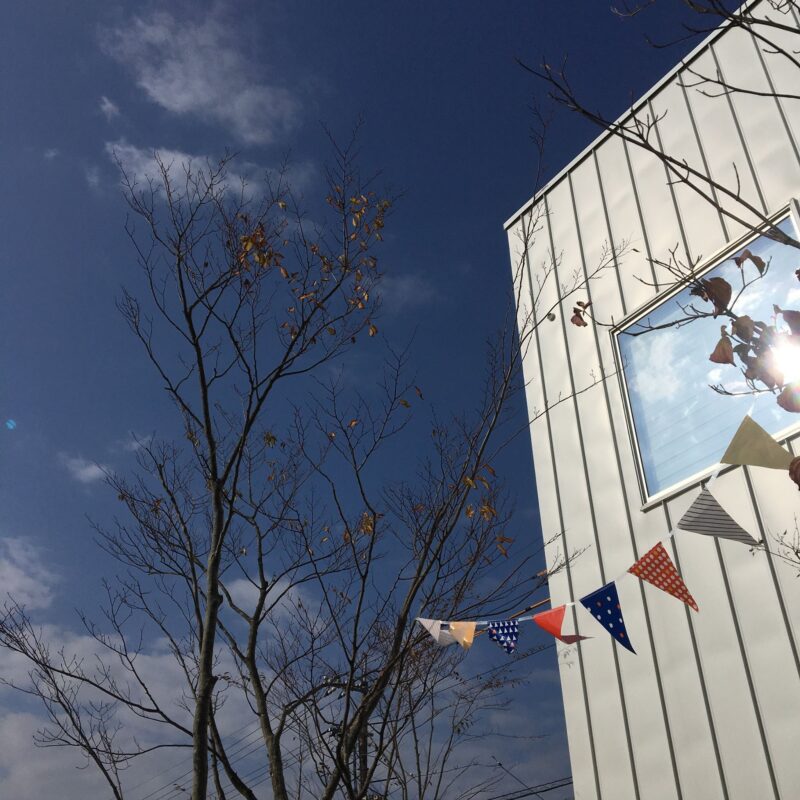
(759, 119)
(701, 221)
(579, 723)
(723, 148)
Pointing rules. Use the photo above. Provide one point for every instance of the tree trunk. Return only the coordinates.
(205, 676)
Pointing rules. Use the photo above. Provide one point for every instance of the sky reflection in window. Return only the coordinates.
(682, 425)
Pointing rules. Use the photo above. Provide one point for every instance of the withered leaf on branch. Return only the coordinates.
(577, 318)
(764, 369)
(743, 327)
(718, 291)
(577, 314)
(791, 318)
(743, 351)
(759, 263)
(723, 352)
(789, 398)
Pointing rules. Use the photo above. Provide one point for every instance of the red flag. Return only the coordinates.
(552, 620)
(656, 567)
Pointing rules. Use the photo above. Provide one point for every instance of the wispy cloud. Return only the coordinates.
(23, 574)
(143, 165)
(108, 108)
(50, 153)
(92, 175)
(404, 292)
(200, 69)
(134, 443)
(83, 470)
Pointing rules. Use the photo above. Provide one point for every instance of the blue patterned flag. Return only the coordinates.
(505, 633)
(603, 605)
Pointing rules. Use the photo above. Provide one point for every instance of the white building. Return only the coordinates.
(709, 707)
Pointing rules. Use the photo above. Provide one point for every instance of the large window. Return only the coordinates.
(682, 426)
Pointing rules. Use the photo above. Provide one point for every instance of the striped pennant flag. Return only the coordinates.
(708, 517)
(656, 567)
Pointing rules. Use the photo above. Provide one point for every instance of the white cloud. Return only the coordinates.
(108, 108)
(92, 174)
(199, 69)
(29, 773)
(82, 470)
(23, 575)
(404, 292)
(50, 153)
(134, 442)
(659, 372)
(793, 296)
(143, 165)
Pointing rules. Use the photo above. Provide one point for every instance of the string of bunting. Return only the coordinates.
(751, 446)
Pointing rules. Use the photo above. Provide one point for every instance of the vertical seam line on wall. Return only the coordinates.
(570, 586)
(641, 218)
(723, 568)
(771, 84)
(742, 140)
(700, 671)
(579, 428)
(674, 197)
(773, 572)
(703, 158)
(751, 683)
(618, 461)
(748, 674)
(689, 619)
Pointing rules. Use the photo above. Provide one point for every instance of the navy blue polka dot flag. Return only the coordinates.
(604, 606)
(505, 633)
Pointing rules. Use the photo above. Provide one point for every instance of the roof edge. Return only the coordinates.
(597, 141)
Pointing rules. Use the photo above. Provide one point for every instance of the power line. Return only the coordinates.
(533, 791)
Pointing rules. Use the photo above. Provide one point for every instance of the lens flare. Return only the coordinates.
(787, 359)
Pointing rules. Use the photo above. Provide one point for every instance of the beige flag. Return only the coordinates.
(463, 633)
(752, 445)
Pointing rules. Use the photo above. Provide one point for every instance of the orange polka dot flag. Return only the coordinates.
(656, 567)
(603, 605)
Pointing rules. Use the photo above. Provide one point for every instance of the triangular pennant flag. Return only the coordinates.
(753, 446)
(505, 633)
(603, 605)
(552, 622)
(708, 517)
(656, 567)
(463, 633)
(434, 628)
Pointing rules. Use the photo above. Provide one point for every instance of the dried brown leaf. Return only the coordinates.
(723, 352)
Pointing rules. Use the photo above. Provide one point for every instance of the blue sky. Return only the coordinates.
(447, 120)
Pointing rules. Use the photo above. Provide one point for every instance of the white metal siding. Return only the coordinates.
(710, 705)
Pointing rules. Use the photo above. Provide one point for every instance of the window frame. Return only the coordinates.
(792, 210)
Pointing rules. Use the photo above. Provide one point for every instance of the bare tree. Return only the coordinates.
(276, 554)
